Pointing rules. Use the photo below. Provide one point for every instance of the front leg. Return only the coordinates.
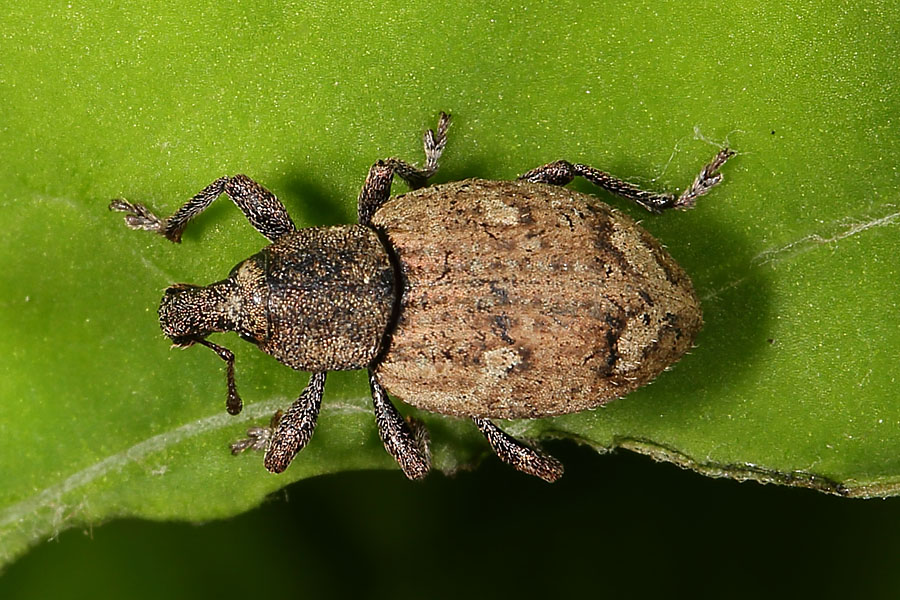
(377, 188)
(287, 434)
(264, 211)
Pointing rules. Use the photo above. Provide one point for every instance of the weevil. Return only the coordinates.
(477, 299)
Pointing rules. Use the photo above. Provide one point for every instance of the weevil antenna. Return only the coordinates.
(234, 403)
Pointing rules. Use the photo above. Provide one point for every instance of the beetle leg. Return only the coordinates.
(296, 427)
(377, 188)
(408, 445)
(518, 455)
(258, 438)
(264, 211)
(562, 172)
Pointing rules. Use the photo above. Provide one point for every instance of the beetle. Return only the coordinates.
(478, 299)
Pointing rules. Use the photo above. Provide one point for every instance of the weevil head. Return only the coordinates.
(189, 313)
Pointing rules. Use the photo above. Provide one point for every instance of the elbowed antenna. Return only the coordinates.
(233, 404)
(189, 313)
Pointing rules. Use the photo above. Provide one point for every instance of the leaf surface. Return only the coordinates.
(794, 378)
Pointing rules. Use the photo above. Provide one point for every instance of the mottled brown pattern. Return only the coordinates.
(527, 300)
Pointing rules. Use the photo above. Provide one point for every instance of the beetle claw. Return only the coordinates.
(138, 216)
(258, 438)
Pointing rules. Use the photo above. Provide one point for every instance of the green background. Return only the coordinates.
(795, 258)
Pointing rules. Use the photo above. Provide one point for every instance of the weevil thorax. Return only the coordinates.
(191, 312)
(329, 297)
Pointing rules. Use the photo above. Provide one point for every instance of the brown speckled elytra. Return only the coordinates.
(479, 299)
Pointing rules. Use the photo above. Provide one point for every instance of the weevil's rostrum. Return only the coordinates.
(479, 299)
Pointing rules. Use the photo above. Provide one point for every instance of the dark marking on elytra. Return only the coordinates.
(525, 216)
(616, 325)
(446, 270)
(499, 293)
(501, 326)
(606, 249)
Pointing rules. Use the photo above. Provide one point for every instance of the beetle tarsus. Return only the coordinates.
(138, 216)
(517, 454)
(258, 438)
(435, 143)
(708, 178)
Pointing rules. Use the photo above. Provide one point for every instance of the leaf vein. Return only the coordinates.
(52, 496)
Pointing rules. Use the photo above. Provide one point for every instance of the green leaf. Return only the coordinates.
(795, 256)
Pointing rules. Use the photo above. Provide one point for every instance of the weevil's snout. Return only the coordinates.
(189, 313)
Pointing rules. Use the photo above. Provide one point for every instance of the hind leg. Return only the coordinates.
(519, 455)
(562, 172)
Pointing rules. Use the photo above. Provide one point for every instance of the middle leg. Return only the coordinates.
(377, 188)
(408, 445)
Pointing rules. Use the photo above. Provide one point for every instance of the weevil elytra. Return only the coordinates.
(479, 299)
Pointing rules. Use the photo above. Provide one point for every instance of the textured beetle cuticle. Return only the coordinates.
(479, 299)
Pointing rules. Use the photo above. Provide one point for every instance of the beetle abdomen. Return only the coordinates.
(526, 300)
